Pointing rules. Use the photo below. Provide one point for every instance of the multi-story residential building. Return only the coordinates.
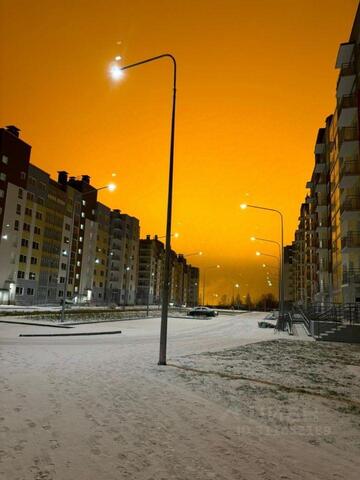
(330, 233)
(184, 283)
(193, 286)
(59, 243)
(151, 271)
(14, 166)
(289, 274)
(122, 276)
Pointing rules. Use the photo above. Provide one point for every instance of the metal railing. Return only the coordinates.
(351, 240)
(351, 203)
(350, 167)
(348, 134)
(334, 312)
(351, 276)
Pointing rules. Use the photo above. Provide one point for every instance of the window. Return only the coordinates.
(20, 193)
(22, 175)
(35, 245)
(30, 196)
(29, 291)
(32, 276)
(33, 260)
(5, 159)
(63, 266)
(67, 227)
(82, 214)
(20, 274)
(66, 239)
(62, 279)
(19, 291)
(77, 276)
(16, 225)
(2, 193)
(37, 230)
(18, 209)
(38, 215)
(26, 227)
(79, 251)
(28, 211)
(22, 258)
(3, 177)
(24, 242)
(61, 293)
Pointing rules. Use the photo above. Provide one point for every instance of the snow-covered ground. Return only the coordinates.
(99, 407)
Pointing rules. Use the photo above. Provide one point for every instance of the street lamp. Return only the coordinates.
(116, 72)
(279, 260)
(111, 187)
(253, 239)
(175, 235)
(204, 279)
(243, 206)
(233, 293)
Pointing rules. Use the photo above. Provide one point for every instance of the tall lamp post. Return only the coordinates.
(116, 72)
(204, 280)
(278, 259)
(282, 289)
(67, 253)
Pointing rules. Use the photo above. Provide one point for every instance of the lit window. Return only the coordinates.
(5, 159)
(2, 193)
(3, 177)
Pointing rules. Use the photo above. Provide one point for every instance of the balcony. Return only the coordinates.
(344, 55)
(349, 173)
(320, 166)
(350, 241)
(350, 207)
(347, 110)
(351, 276)
(348, 141)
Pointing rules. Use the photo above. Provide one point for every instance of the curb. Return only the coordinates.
(66, 334)
(35, 324)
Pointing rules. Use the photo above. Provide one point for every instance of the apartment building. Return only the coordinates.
(328, 236)
(122, 276)
(289, 274)
(184, 280)
(58, 242)
(14, 165)
(151, 271)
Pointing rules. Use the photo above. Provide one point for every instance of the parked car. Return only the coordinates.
(202, 311)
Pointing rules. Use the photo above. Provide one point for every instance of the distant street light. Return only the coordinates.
(111, 187)
(233, 293)
(243, 206)
(204, 279)
(116, 72)
(279, 260)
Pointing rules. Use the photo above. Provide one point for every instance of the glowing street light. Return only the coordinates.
(244, 206)
(204, 279)
(116, 73)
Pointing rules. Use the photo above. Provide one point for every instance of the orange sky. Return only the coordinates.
(256, 81)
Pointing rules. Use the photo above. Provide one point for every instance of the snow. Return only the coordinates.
(99, 407)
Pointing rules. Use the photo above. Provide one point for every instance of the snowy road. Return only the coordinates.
(99, 408)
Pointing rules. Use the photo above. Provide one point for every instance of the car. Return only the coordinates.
(202, 312)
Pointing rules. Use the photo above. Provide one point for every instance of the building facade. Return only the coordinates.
(327, 241)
